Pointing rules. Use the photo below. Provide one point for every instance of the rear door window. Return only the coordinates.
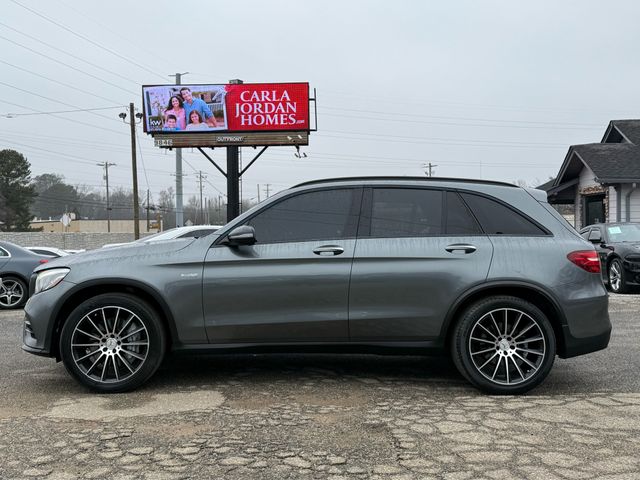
(460, 221)
(497, 218)
(405, 212)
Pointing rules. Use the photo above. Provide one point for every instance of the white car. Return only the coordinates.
(195, 231)
(48, 251)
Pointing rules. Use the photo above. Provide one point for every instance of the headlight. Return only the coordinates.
(49, 278)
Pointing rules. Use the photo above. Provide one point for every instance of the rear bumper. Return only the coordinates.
(587, 328)
(580, 346)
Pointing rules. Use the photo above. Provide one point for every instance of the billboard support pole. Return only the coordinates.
(179, 195)
(233, 175)
(211, 160)
(254, 159)
(233, 183)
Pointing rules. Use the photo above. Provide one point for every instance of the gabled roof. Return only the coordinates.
(623, 131)
(615, 160)
(611, 162)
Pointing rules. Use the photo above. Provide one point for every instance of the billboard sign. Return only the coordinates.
(231, 108)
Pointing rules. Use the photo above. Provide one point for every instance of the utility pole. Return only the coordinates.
(134, 167)
(428, 169)
(148, 208)
(266, 187)
(258, 193)
(200, 177)
(106, 166)
(179, 206)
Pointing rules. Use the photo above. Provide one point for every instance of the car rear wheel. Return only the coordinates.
(617, 280)
(13, 293)
(112, 343)
(504, 345)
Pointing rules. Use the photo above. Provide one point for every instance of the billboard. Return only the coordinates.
(233, 108)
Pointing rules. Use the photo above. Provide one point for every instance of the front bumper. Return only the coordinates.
(40, 314)
(632, 270)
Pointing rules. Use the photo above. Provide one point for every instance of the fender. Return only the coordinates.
(119, 282)
(497, 284)
(10, 273)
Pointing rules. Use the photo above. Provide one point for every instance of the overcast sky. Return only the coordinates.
(482, 89)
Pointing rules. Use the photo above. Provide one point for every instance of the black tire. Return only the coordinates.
(104, 352)
(17, 284)
(478, 353)
(617, 284)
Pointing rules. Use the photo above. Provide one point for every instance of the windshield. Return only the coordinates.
(624, 233)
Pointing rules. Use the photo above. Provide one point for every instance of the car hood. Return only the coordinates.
(139, 251)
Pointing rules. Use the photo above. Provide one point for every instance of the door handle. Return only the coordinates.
(328, 250)
(464, 247)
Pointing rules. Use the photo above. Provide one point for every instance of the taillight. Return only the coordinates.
(585, 259)
(44, 260)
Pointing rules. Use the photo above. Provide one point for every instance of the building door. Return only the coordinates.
(594, 209)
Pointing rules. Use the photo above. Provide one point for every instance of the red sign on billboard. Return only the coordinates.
(267, 106)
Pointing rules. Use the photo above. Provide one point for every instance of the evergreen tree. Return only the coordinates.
(17, 191)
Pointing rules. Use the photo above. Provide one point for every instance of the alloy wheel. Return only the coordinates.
(11, 293)
(615, 276)
(507, 346)
(110, 344)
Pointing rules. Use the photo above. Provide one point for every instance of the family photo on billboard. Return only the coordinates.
(185, 108)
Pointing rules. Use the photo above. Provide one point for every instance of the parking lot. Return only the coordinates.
(323, 416)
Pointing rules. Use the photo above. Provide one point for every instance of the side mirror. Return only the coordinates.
(244, 235)
(595, 237)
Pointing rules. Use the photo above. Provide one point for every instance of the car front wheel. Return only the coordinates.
(504, 345)
(112, 343)
(617, 281)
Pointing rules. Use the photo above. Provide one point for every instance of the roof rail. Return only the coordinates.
(422, 179)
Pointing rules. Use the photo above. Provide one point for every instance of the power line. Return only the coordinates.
(419, 141)
(64, 84)
(11, 115)
(65, 118)
(442, 123)
(129, 41)
(87, 39)
(144, 168)
(53, 47)
(463, 118)
(70, 66)
(54, 100)
(466, 105)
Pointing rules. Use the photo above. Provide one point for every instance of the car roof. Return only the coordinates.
(397, 179)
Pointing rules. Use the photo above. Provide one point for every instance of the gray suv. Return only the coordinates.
(484, 271)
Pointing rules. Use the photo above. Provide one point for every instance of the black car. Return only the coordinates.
(618, 246)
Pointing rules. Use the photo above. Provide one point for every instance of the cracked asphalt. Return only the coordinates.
(324, 417)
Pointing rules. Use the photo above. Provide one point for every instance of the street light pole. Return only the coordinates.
(134, 168)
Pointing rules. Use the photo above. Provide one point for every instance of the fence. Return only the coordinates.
(74, 241)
